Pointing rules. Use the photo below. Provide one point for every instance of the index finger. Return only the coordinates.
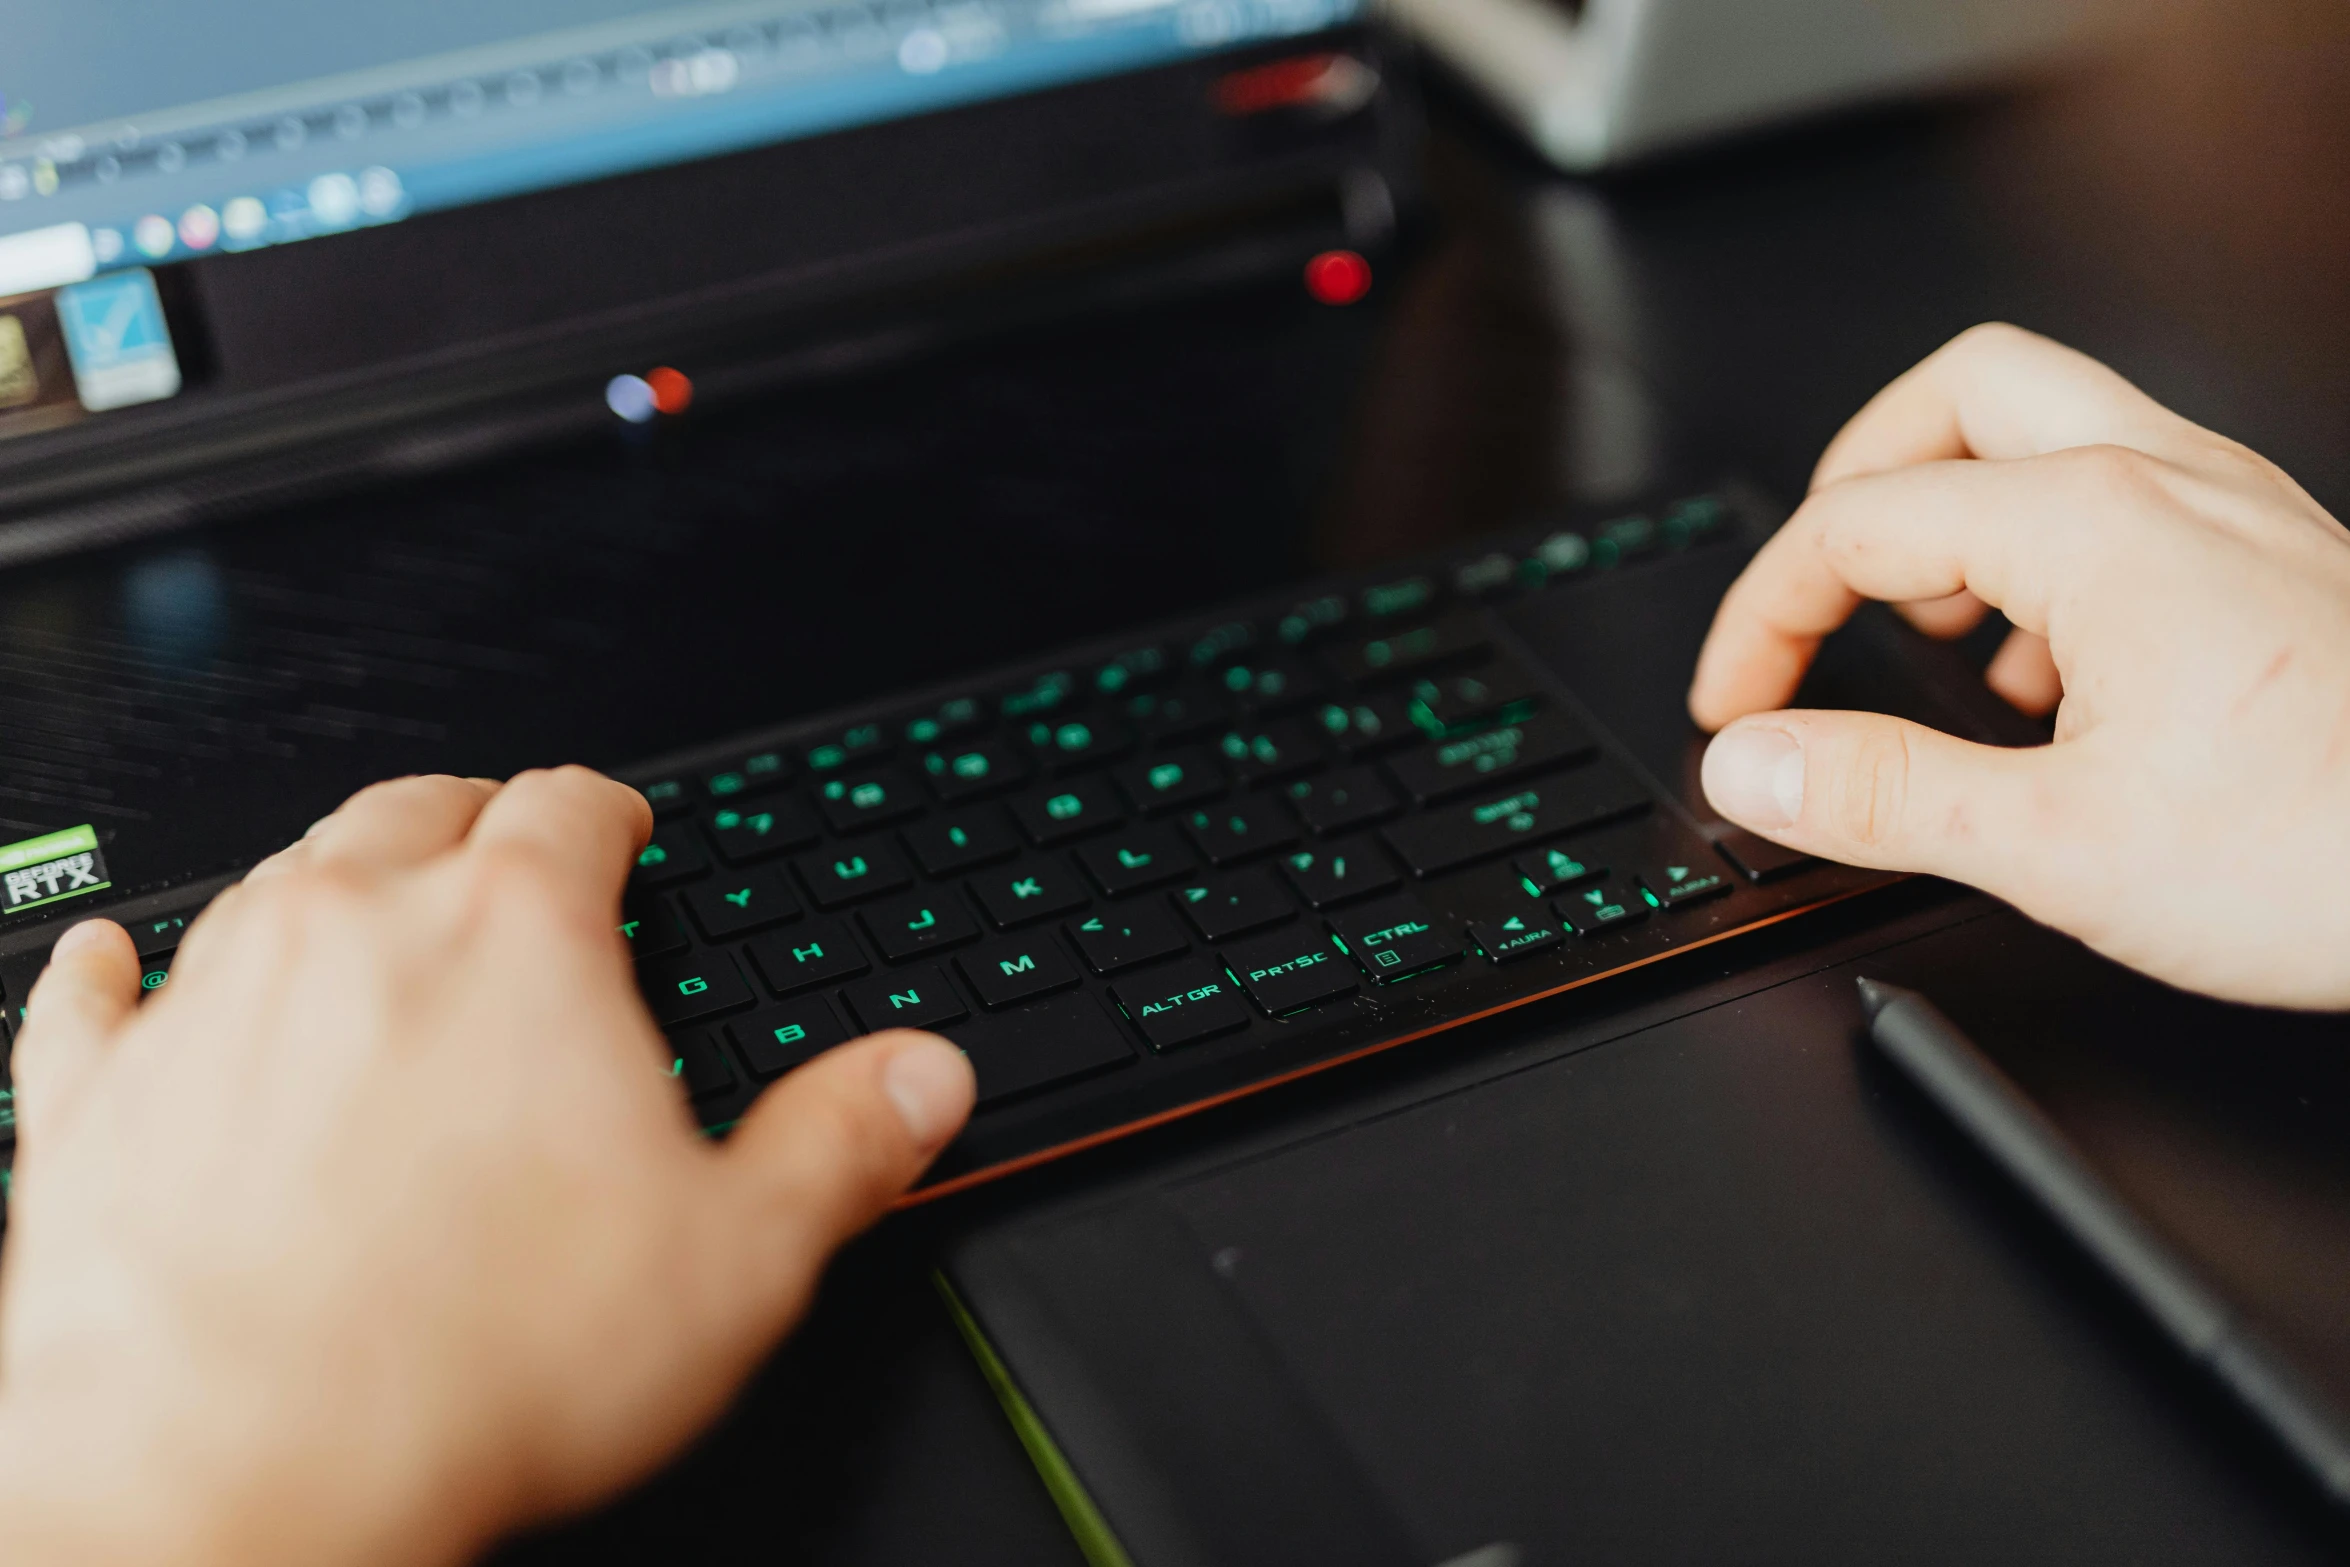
(1999, 391)
(579, 828)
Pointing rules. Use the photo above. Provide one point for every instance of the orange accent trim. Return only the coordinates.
(1030, 1161)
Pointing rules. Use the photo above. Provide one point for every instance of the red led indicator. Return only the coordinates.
(672, 392)
(1338, 277)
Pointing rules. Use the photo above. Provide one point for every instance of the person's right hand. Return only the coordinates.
(2192, 818)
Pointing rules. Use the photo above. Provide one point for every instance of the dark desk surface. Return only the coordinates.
(2183, 212)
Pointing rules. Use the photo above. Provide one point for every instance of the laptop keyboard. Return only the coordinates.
(1146, 877)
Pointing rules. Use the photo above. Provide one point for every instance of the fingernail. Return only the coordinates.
(930, 1083)
(1754, 775)
(80, 936)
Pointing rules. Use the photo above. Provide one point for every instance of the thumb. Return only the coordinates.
(1870, 790)
(827, 1149)
(81, 998)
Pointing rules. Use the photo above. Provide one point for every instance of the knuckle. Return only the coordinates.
(1872, 788)
(1988, 339)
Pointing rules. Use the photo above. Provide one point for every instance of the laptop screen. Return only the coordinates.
(148, 132)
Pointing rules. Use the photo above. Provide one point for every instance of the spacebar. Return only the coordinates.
(1543, 807)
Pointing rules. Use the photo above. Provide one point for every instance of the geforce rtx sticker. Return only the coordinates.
(46, 869)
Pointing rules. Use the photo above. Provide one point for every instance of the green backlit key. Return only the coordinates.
(849, 873)
(1271, 750)
(1006, 972)
(910, 998)
(1184, 776)
(1135, 858)
(1126, 937)
(1519, 936)
(928, 921)
(765, 770)
(1182, 1005)
(1067, 743)
(1599, 908)
(851, 748)
(870, 798)
(1184, 711)
(976, 767)
(1274, 682)
(948, 845)
(1058, 813)
(1677, 886)
(1338, 872)
(650, 930)
(1450, 768)
(1546, 871)
(773, 1040)
(699, 1065)
(1397, 654)
(1235, 830)
(1368, 725)
(1028, 890)
(754, 829)
(739, 904)
(673, 855)
(699, 985)
(791, 961)
(1395, 938)
(1233, 905)
(950, 720)
(1289, 970)
(1342, 801)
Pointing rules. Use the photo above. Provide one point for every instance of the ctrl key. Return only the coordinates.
(1182, 1005)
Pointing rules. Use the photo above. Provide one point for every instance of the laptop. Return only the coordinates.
(398, 373)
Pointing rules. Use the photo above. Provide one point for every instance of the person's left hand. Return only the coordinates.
(382, 1230)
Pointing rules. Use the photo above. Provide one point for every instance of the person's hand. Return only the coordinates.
(2188, 602)
(382, 1230)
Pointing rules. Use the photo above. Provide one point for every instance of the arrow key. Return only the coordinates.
(1506, 941)
(1600, 907)
(1676, 886)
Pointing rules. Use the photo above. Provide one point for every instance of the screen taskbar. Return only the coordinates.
(375, 147)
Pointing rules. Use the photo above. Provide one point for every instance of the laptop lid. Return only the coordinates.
(233, 228)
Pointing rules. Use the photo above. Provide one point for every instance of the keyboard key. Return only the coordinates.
(1171, 779)
(1344, 800)
(1312, 618)
(1289, 970)
(1333, 874)
(1182, 1005)
(1057, 813)
(1028, 890)
(161, 934)
(696, 1062)
(926, 921)
(791, 961)
(1678, 886)
(773, 1040)
(1451, 768)
(751, 775)
(1368, 725)
(1007, 972)
(1135, 858)
(1519, 936)
(951, 844)
(1401, 597)
(698, 985)
(848, 873)
(870, 799)
(1546, 871)
(1759, 859)
(1239, 829)
(1225, 642)
(1272, 750)
(1128, 936)
(1038, 1045)
(739, 904)
(974, 768)
(1129, 670)
(1395, 938)
(1456, 704)
(667, 796)
(650, 929)
(1487, 577)
(1599, 908)
(1568, 802)
(1626, 538)
(774, 824)
(910, 998)
(673, 855)
(859, 744)
(155, 972)
(950, 720)
(1065, 744)
(1185, 712)
(1272, 682)
(1226, 906)
(1456, 640)
(1046, 694)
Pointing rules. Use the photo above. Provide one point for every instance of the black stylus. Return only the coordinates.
(2026, 1144)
